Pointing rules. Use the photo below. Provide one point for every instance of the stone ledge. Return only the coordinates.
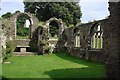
(22, 46)
(23, 53)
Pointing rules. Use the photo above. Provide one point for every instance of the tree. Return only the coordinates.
(69, 12)
(7, 15)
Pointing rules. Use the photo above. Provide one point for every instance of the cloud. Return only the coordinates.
(93, 10)
(11, 7)
(12, 0)
(94, 0)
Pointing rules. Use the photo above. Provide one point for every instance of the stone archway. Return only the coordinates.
(96, 36)
(33, 24)
(61, 27)
(24, 45)
(26, 25)
(76, 32)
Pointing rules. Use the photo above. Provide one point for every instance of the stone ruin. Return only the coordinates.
(83, 41)
(96, 41)
(112, 42)
(44, 32)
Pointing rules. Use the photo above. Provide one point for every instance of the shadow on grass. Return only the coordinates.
(68, 57)
(93, 71)
(80, 73)
(4, 78)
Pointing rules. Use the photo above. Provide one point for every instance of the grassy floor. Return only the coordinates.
(52, 66)
(22, 37)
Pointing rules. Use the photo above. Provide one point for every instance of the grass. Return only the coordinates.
(0, 70)
(22, 37)
(52, 66)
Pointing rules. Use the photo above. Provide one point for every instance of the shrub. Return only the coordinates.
(8, 51)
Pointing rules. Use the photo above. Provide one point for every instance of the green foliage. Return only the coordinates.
(7, 15)
(22, 37)
(8, 51)
(45, 45)
(52, 66)
(21, 30)
(69, 12)
(41, 23)
(99, 43)
(5, 23)
(53, 29)
(42, 42)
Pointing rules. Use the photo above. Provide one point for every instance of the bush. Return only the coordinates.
(8, 51)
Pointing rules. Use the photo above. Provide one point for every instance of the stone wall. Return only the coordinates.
(22, 42)
(0, 49)
(2, 42)
(112, 42)
(12, 28)
(33, 34)
(84, 51)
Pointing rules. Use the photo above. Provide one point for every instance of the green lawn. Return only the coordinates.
(52, 66)
(22, 37)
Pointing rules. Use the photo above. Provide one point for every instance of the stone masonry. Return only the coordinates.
(112, 42)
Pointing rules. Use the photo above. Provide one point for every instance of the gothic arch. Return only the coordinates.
(33, 23)
(77, 36)
(60, 23)
(96, 36)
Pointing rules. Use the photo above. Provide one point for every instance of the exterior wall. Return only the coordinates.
(112, 42)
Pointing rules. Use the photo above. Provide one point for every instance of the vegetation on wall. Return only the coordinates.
(8, 51)
(69, 12)
(45, 45)
(5, 24)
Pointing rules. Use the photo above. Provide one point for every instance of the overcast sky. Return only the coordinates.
(91, 9)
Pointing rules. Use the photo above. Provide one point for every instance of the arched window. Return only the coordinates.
(77, 37)
(97, 38)
(23, 26)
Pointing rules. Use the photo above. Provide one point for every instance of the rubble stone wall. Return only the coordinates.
(112, 42)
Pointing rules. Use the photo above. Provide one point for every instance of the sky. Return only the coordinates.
(91, 9)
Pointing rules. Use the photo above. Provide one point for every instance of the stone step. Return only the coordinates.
(23, 53)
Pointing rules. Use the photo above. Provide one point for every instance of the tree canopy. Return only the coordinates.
(69, 12)
(7, 15)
